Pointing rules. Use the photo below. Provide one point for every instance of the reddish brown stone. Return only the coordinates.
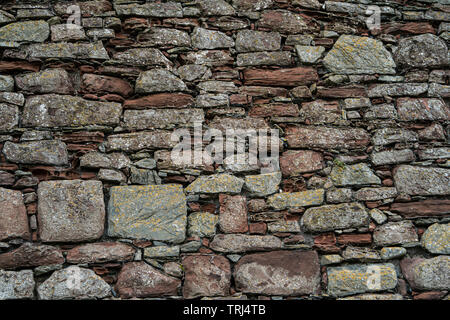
(161, 100)
(206, 276)
(263, 91)
(431, 295)
(13, 215)
(100, 252)
(93, 83)
(258, 228)
(31, 255)
(357, 239)
(326, 243)
(425, 208)
(233, 214)
(17, 66)
(6, 178)
(257, 205)
(83, 136)
(342, 92)
(410, 27)
(239, 99)
(274, 109)
(407, 265)
(281, 77)
(138, 279)
(295, 162)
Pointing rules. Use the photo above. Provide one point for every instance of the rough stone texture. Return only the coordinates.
(294, 163)
(47, 81)
(217, 183)
(138, 279)
(235, 243)
(96, 159)
(206, 276)
(68, 50)
(9, 116)
(263, 185)
(141, 57)
(48, 152)
(158, 80)
(100, 252)
(357, 174)
(25, 31)
(161, 118)
(73, 283)
(394, 233)
(414, 180)
(283, 21)
(284, 273)
(70, 211)
(16, 285)
(209, 39)
(147, 212)
(202, 224)
(422, 109)
(436, 239)
(31, 255)
(233, 214)
(249, 41)
(359, 55)
(13, 215)
(285, 200)
(427, 274)
(425, 50)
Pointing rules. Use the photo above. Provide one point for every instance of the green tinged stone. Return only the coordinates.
(202, 224)
(25, 31)
(216, 183)
(285, 200)
(436, 239)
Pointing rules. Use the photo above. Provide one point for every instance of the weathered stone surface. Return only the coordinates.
(394, 233)
(202, 224)
(360, 254)
(6, 83)
(73, 283)
(16, 285)
(387, 136)
(332, 217)
(263, 185)
(285, 273)
(235, 243)
(397, 89)
(144, 57)
(392, 253)
(309, 54)
(210, 58)
(53, 110)
(436, 239)
(150, 9)
(206, 276)
(427, 274)
(282, 77)
(339, 195)
(356, 174)
(326, 138)
(13, 215)
(138, 279)
(103, 84)
(215, 7)
(25, 31)
(165, 37)
(50, 152)
(192, 72)
(320, 111)
(140, 140)
(279, 58)
(100, 252)
(95, 159)
(424, 208)
(422, 109)
(70, 210)
(359, 55)
(434, 153)
(46, 81)
(67, 32)
(233, 214)
(161, 100)
(284, 21)
(6, 178)
(392, 157)
(13, 98)
(250, 41)
(286, 200)
(252, 5)
(216, 183)
(69, 50)
(425, 50)
(373, 194)
(353, 279)
(161, 118)
(148, 212)
(210, 39)
(9, 116)
(159, 80)
(212, 100)
(422, 181)
(161, 252)
(31, 255)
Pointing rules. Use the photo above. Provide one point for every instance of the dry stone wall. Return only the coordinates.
(94, 206)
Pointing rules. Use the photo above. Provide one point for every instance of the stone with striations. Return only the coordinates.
(159, 80)
(397, 89)
(422, 51)
(395, 233)
(236, 243)
(285, 22)
(422, 109)
(47, 152)
(31, 255)
(210, 39)
(100, 252)
(285, 200)
(436, 238)
(46, 81)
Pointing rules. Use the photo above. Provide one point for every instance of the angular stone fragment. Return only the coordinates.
(49, 152)
(424, 208)
(360, 254)
(282, 77)
(25, 31)
(217, 86)
(392, 157)
(436, 239)
(353, 279)
(31, 255)
(422, 51)
(70, 210)
(281, 201)
(435, 153)
(395, 233)
(46, 81)
(392, 253)
(212, 100)
(285, 273)
(13, 215)
(235, 243)
(144, 57)
(250, 41)
(320, 111)
(333, 217)
(428, 274)
(67, 32)
(210, 39)
(210, 58)
(339, 195)
(233, 214)
(206, 276)
(9, 116)
(359, 55)
(73, 283)
(98, 84)
(191, 72)
(151, 9)
(355, 174)
(252, 5)
(165, 37)
(6, 178)
(161, 118)
(148, 212)
(422, 181)
(387, 136)
(53, 110)
(202, 224)
(216, 183)
(16, 285)
(397, 89)
(326, 138)
(6, 83)
(159, 80)
(285, 22)
(422, 109)
(263, 185)
(374, 194)
(309, 54)
(69, 50)
(161, 252)
(101, 252)
(87, 8)
(95, 159)
(138, 279)
(13, 98)
(140, 140)
(277, 58)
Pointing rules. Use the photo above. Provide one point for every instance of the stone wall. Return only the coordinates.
(93, 206)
